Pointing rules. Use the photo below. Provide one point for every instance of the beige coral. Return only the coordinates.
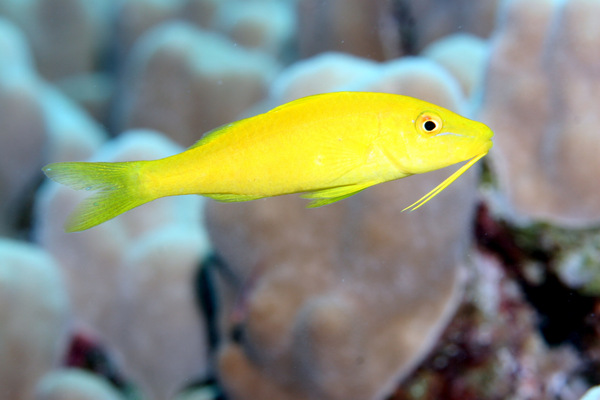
(464, 55)
(49, 25)
(74, 384)
(34, 317)
(130, 278)
(23, 131)
(363, 28)
(341, 302)
(539, 98)
(184, 81)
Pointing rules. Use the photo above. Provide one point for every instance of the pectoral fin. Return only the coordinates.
(331, 195)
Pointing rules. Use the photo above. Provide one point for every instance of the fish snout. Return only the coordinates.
(487, 142)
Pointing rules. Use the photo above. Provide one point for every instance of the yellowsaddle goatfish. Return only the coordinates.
(328, 146)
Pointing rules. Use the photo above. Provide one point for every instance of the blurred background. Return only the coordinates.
(489, 291)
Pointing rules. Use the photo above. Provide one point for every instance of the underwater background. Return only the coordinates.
(490, 291)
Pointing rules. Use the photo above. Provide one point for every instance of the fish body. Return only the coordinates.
(327, 146)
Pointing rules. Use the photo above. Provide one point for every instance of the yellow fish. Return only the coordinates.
(328, 146)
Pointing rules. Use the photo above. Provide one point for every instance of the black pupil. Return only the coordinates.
(429, 126)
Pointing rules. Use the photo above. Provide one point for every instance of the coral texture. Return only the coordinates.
(130, 278)
(184, 81)
(543, 115)
(73, 384)
(341, 302)
(34, 313)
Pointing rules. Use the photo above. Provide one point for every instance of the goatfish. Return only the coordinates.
(328, 147)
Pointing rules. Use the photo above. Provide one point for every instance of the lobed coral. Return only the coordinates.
(72, 384)
(313, 297)
(185, 81)
(142, 266)
(340, 302)
(543, 113)
(34, 312)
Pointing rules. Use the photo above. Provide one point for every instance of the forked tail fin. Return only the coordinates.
(116, 185)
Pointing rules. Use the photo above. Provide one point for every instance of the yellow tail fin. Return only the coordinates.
(116, 184)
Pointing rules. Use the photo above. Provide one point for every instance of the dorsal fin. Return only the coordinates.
(213, 134)
(302, 100)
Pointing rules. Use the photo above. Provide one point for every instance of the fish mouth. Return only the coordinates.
(488, 144)
(453, 134)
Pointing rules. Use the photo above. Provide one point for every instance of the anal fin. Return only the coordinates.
(232, 198)
(323, 197)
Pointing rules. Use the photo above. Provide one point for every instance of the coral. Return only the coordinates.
(130, 278)
(135, 17)
(49, 24)
(263, 24)
(73, 384)
(464, 55)
(38, 123)
(184, 81)
(434, 19)
(382, 30)
(23, 136)
(202, 12)
(14, 49)
(360, 27)
(542, 48)
(323, 73)
(342, 301)
(592, 394)
(267, 25)
(337, 71)
(208, 393)
(33, 317)
(72, 133)
(493, 350)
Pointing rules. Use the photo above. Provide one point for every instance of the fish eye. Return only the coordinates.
(429, 123)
